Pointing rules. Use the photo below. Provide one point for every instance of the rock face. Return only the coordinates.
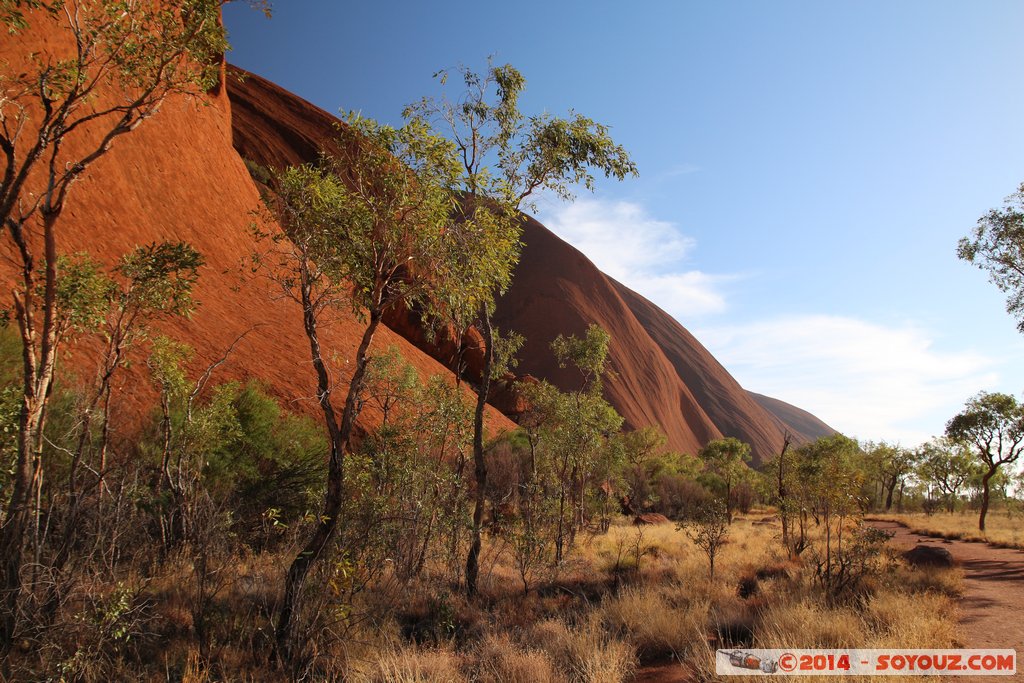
(661, 375)
(801, 423)
(178, 177)
(181, 176)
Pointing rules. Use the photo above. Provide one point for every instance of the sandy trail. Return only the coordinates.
(991, 609)
(992, 606)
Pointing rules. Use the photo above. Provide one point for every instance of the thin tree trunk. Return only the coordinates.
(985, 497)
(479, 465)
(37, 377)
(783, 511)
(340, 436)
(890, 489)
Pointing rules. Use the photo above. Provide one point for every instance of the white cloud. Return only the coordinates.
(680, 169)
(642, 252)
(864, 379)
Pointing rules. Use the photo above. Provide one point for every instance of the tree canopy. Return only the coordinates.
(993, 425)
(997, 246)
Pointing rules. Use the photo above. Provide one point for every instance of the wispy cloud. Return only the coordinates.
(642, 252)
(865, 379)
(680, 169)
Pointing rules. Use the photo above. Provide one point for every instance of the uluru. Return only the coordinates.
(334, 349)
(662, 376)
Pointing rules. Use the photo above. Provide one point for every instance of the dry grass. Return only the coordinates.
(586, 653)
(1003, 529)
(592, 622)
(947, 582)
(660, 621)
(411, 665)
(500, 660)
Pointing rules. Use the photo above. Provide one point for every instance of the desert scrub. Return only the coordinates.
(412, 665)
(499, 659)
(659, 621)
(585, 653)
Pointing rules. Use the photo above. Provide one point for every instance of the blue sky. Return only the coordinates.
(806, 169)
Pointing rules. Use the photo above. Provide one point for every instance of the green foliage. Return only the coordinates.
(727, 458)
(235, 443)
(558, 153)
(12, 12)
(947, 466)
(526, 154)
(588, 354)
(273, 460)
(84, 293)
(654, 477)
(147, 282)
(159, 278)
(845, 563)
(823, 480)
(104, 627)
(145, 50)
(828, 475)
(505, 159)
(406, 498)
(891, 465)
(506, 346)
(391, 384)
(261, 174)
(572, 446)
(997, 246)
(641, 445)
(709, 530)
(10, 406)
(367, 224)
(166, 363)
(993, 424)
(725, 462)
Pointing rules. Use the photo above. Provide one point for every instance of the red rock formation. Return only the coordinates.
(177, 177)
(507, 394)
(803, 425)
(661, 375)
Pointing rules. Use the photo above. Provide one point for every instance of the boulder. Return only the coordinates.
(929, 556)
(651, 518)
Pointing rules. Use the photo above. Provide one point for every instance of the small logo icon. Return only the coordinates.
(745, 660)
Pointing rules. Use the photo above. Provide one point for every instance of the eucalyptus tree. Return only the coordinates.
(570, 442)
(61, 109)
(992, 424)
(365, 231)
(893, 464)
(997, 245)
(948, 466)
(507, 159)
(727, 460)
(148, 283)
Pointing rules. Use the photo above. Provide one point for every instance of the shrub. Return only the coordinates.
(679, 497)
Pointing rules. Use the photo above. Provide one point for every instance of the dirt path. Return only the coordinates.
(992, 607)
(662, 673)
